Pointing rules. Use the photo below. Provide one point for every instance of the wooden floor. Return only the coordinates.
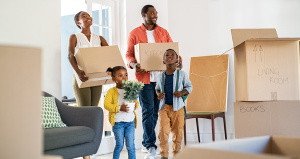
(124, 155)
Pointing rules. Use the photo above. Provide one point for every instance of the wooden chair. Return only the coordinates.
(206, 115)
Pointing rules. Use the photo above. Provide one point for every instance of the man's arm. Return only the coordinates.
(130, 58)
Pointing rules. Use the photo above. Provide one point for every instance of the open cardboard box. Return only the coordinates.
(264, 147)
(150, 55)
(266, 67)
(94, 62)
(267, 118)
(209, 76)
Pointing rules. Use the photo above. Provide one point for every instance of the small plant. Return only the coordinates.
(132, 89)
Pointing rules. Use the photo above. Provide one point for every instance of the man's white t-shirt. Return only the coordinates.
(122, 116)
(150, 37)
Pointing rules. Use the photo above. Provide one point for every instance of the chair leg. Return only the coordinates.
(86, 157)
(224, 121)
(213, 126)
(184, 131)
(198, 130)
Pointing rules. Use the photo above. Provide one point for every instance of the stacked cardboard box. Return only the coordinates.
(267, 83)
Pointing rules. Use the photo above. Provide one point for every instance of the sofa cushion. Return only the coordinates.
(50, 115)
(67, 136)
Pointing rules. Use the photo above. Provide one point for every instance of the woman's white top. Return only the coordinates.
(83, 42)
(122, 116)
(150, 38)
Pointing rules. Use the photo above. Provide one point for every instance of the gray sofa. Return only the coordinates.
(83, 135)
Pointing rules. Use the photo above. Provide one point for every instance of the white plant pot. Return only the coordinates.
(131, 106)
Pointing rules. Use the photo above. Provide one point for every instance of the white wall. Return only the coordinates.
(31, 23)
(203, 28)
(35, 23)
(134, 19)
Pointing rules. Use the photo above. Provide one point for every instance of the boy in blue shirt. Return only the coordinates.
(171, 111)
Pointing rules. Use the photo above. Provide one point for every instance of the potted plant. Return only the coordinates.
(132, 89)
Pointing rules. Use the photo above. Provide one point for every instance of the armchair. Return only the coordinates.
(83, 135)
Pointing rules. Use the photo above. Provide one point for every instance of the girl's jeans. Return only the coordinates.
(124, 130)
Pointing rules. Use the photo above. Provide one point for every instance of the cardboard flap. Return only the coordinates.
(241, 35)
(288, 146)
(209, 76)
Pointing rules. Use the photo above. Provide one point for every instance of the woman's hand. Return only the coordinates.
(124, 108)
(161, 96)
(82, 76)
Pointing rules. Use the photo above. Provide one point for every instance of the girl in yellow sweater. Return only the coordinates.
(121, 118)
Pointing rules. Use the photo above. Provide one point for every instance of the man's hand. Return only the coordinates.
(82, 76)
(124, 108)
(178, 94)
(138, 69)
(161, 96)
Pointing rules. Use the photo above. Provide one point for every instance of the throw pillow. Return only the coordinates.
(50, 115)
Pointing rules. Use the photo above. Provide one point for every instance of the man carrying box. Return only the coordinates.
(148, 32)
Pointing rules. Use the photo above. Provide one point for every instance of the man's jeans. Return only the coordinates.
(121, 130)
(150, 105)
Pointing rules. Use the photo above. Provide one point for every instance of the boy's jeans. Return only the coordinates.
(121, 130)
(150, 105)
(174, 121)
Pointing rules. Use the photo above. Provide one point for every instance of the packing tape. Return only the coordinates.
(208, 76)
(224, 52)
(97, 79)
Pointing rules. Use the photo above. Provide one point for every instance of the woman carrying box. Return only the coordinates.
(89, 96)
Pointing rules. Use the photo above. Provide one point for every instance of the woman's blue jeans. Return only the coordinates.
(124, 130)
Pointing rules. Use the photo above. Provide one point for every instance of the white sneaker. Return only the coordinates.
(151, 153)
(144, 149)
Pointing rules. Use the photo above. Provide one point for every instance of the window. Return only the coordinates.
(103, 24)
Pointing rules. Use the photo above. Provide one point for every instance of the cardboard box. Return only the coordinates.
(209, 76)
(20, 96)
(267, 118)
(94, 62)
(265, 147)
(266, 67)
(150, 55)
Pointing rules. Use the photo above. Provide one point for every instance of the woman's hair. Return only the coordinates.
(114, 70)
(173, 51)
(145, 8)
(76, 19)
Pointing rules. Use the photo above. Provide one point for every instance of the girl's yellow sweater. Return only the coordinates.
(110, 104)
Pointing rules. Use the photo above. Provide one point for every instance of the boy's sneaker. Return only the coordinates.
(151, 153)
(144, 149)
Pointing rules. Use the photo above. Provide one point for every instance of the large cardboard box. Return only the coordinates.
(266, 67)
(150, 55)
(265, 147)
(209, 76)
(94, 62)
(20, 96)
(267, 118)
